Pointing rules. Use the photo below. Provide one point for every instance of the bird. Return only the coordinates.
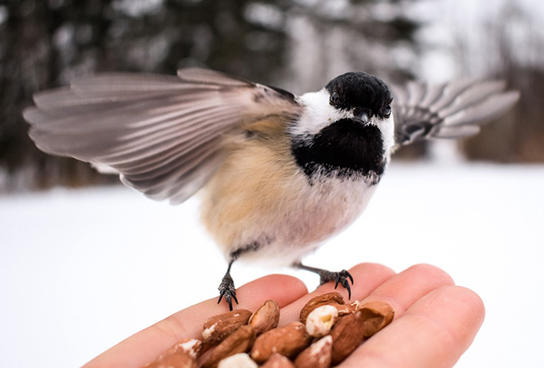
(277, 173)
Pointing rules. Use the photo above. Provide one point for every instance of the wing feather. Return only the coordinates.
(449, 110)
(162, 134)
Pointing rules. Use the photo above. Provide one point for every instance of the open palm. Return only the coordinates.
(435, 321)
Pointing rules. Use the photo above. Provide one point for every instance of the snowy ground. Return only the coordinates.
(82, 269)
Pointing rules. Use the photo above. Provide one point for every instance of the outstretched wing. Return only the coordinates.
(449, 110)
(161, 133)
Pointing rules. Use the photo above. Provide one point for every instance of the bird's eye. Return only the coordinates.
(387, 112)
(335, 98)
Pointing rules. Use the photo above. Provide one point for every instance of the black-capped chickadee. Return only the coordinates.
(280, 173)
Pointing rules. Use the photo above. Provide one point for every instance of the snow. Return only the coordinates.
(82, 269)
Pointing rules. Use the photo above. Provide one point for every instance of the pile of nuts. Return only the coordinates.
(329, 330)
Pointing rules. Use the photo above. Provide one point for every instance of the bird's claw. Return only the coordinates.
(227, 290)
(341, 278)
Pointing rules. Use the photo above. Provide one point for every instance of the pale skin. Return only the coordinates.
(435, 320)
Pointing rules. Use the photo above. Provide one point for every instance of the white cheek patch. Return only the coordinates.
(318, 113)
(387, 127)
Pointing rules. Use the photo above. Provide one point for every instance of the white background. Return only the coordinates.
(80, 270)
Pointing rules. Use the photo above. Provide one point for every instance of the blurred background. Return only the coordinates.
(85, 262)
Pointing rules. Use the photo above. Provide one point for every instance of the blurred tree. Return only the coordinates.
(44, 44)
(510, 47)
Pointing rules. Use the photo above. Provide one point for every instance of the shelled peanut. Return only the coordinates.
(329, 330)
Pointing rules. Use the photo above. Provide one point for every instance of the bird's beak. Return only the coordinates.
(364, 119)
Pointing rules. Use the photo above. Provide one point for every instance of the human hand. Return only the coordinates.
(435, 321)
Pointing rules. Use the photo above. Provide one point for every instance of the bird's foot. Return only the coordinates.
(340, 277)
(226, 289)
(325, 276)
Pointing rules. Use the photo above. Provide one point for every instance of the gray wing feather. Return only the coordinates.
(450, 110)
(162, 134)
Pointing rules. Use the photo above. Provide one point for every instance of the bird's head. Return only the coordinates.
(348, 103)
(346, 127)
(362, 96)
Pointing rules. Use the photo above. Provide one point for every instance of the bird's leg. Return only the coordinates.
(325, 276)
(226, 287)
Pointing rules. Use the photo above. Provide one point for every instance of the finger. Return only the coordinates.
(147, 344)
(405, 288)
(433, 332)
(367, 275)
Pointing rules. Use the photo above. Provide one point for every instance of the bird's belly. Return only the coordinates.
(277, 220)
(318, 211)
